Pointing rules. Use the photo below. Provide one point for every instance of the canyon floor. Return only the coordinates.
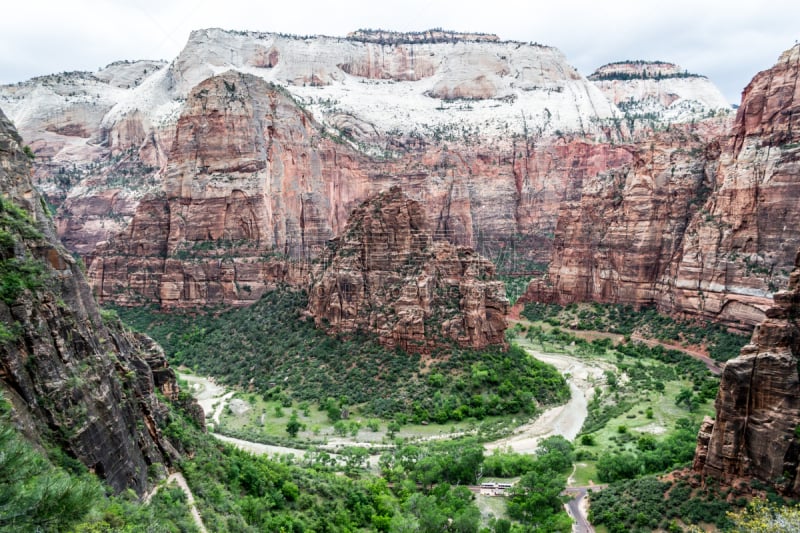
(566, 420)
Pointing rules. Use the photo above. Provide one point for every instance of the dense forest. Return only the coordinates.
(272, 349)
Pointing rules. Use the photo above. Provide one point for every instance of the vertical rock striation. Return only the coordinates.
(758, 405)
(202, 185)
(387, 275)
(740, 247)
(73, 378)
(254, 188)
(700, 225)
(617, 240)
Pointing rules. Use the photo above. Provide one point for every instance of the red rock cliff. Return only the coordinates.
(739, 248)
(617, 240)
(75, 380)
(254, 188)
(758, 405)
(387, 275)
(698, 226)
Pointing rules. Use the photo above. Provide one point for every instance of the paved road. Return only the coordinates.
(578, 506)
(575, 508)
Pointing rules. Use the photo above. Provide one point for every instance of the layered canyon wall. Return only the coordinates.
(388, 274)
(255, 187)
(700, 228)
(249, 150)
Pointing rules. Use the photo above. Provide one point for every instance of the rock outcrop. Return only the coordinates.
(648, 93)
(618, 239)
(755, 434)
(428, 36)
(255, 187)
(102, 139)
(386, 274)
(739, 248)
(74, 378)
(243, 203)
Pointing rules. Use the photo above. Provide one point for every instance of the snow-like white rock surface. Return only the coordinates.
(128, 74)
(448, 90)
(485, 87)
(660, 91)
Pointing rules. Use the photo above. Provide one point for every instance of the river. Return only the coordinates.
(565, 420)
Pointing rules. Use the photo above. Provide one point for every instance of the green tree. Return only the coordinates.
(536, 498)
(340, 428)
(34, 496)
(686, 398)
(761, 517)
(294, 426)
(392, 428)
(355, 459)
(616, 466)
(331, 407)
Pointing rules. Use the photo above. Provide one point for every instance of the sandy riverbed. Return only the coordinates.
(565, 420)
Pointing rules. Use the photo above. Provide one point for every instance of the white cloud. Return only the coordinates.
(725, 41)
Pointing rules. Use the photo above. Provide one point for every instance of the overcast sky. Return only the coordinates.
(727, 41)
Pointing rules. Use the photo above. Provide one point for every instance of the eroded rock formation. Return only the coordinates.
(739, 248)
(758, 404)
(617, 240)
(648, 91)
(254, 188)
(386, 274)
(531, 161)
(700, 225)
(73, 378)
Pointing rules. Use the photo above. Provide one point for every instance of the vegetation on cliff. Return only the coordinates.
(53, 492)
(17, 272)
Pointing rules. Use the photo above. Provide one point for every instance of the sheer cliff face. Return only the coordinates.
(87, 385)
(249, 179)
(699, 226)
(741, 245)
(103, 139)
(697, 219)
(255, 187)
(387, 275)
(618, 239)
(758, 405)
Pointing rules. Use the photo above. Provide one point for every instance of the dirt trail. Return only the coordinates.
(258, 448)
(210, 395)
(178, 478)
(712, 365)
